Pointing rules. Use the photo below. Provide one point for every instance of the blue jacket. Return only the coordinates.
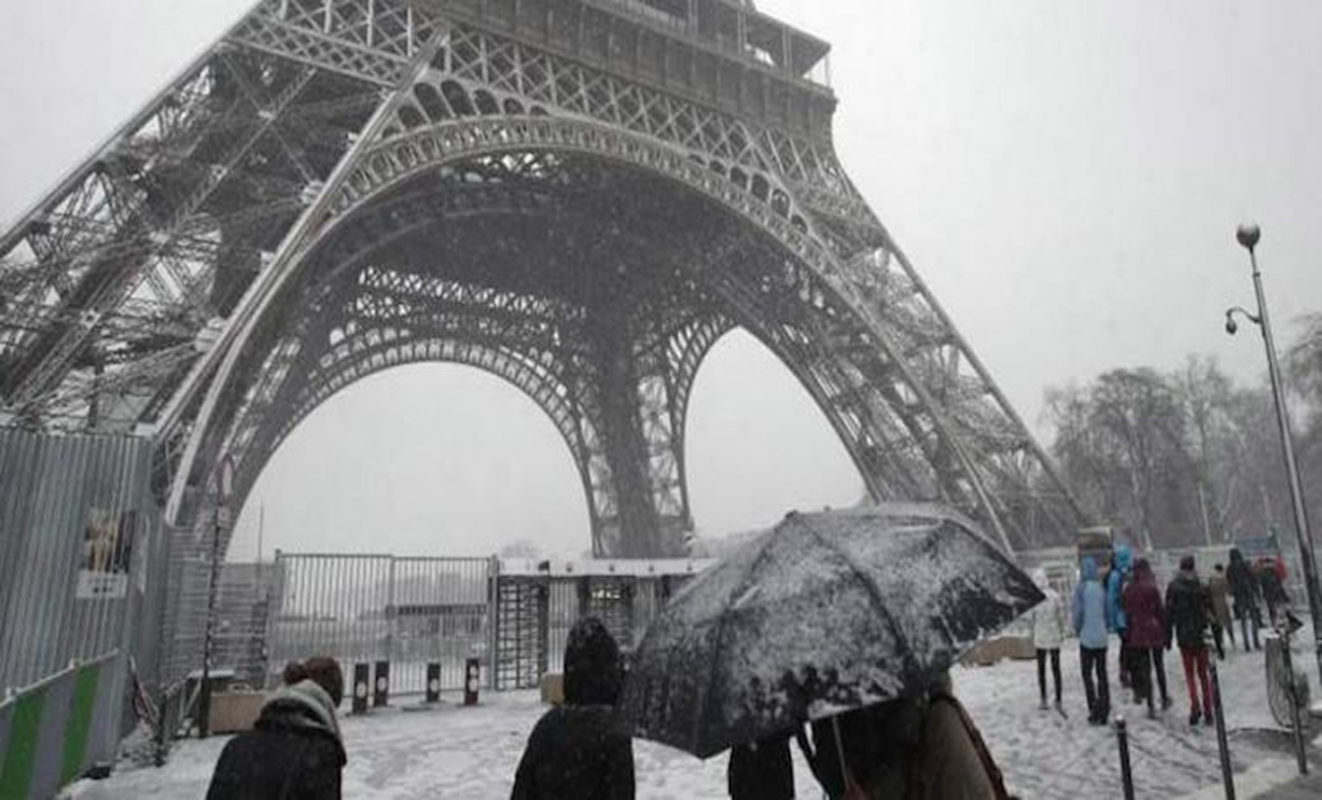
(1091, 621)
(1115, 608)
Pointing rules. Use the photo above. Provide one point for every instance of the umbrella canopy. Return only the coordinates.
(825, 613)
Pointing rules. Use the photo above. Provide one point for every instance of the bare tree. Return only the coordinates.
(1215, 440)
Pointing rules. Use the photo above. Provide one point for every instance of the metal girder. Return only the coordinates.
(313, 121)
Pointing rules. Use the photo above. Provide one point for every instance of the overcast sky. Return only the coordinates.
(1066, 175)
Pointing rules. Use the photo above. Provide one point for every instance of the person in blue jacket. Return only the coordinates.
(1092, 623)
(1121, 565)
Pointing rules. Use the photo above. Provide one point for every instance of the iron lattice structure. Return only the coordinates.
(579, 196)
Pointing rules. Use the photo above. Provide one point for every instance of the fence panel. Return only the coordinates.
(438, 614)
(80, 549)
(330, 605)
(53, 731)
(513, 616)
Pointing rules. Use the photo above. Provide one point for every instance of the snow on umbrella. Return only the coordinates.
(824, 613)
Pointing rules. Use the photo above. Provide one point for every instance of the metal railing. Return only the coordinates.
(365, 608)
(513, 616)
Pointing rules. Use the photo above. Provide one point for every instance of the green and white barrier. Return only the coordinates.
(53, 731)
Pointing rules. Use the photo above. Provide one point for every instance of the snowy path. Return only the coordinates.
(471, 753)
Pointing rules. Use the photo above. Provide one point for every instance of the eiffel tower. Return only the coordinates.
(579, 196)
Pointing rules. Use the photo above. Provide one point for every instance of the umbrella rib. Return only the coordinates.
(720, 636)
(873, 594)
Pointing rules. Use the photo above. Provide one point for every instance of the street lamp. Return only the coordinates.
(1248, 236)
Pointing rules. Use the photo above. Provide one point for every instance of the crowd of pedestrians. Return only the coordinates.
(1193, 615)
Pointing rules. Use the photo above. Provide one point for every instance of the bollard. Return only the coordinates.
(1227, 772)
(1126, 774)
(362, 681)
(433, 682)
(472, 679)
(381, 689)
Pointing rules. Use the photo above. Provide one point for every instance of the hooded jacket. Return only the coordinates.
(1188, 607)
(1243, 588)
(1091, 622)
(1049, 624)
(580, 750)
(1143, 608)
(294, 751)
(1115, 580)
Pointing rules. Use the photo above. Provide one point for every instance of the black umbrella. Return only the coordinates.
(825, 613)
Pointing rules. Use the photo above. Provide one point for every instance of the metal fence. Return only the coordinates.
(365, 609)
(81, 552)
(536, 603)
(513, 616)
(56, 729)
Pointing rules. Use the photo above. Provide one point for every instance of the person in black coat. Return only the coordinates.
(294, 751)
(1272, 591)
(761, 770)
(580, 750)
(1189, 615)
(1244, 590)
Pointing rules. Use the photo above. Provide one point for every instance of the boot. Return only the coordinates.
(1194, 717)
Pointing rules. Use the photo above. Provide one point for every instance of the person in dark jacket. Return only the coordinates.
(762, 770)
(1244, 590)
(1189, 611)
(1272, 592)
(294, 751)
(580, 750)
(1147, 634)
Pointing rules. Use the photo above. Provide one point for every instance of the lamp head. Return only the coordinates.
(1248, 235)
(1231, 325)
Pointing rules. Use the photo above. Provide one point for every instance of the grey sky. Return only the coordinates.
(1066, 175)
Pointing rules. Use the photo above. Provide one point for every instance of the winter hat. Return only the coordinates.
(593, 670)
(1186, 562)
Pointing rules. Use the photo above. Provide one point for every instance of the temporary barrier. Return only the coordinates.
(81, 554)
(53, 731)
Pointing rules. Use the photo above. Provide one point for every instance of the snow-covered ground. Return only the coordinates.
(457, 752)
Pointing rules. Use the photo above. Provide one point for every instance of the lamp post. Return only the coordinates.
(1248, 236)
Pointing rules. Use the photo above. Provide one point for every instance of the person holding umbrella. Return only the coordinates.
(844, 620)
(923, 746)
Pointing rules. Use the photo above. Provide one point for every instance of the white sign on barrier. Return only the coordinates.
(101, 585)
